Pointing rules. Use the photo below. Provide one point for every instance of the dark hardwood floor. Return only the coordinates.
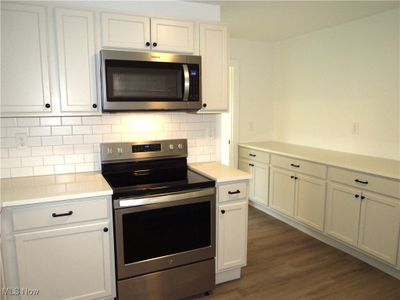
(284, 263)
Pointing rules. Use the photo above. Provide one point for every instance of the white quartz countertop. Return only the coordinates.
(219, 172)
(368, 164)
(40, 189)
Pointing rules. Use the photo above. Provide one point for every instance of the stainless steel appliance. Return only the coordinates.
(164, 220)
(150, 81)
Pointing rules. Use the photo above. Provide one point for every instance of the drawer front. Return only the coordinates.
(254, 155)
(364, 181)
(298, 165)
(234, 191)
(60, 213)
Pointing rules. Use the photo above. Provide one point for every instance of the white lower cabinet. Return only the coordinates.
(343, 213)
(66, 263)
(365, 220)
(282, 191)
(379, 226)
(259, 182)
(231, 216)
(66, 253)
(232, 235)
(310, 201)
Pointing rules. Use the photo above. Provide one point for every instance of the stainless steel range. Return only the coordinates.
(164, 220)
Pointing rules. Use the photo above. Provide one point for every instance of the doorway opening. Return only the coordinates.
(230, 120)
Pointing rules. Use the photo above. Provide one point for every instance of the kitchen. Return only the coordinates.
(64, 152)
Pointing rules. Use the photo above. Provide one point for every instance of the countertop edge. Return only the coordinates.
(14, 203)
(219, 180)
(363, 170)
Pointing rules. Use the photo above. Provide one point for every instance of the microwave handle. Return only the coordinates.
(186, 84)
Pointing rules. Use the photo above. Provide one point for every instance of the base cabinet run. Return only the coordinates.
(64, 251)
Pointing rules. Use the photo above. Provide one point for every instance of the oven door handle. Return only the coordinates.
(131, 202)
(186, 84)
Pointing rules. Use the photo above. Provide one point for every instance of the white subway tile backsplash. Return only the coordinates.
(73, 139)
(82, 129)
(50, 121)
(91, 120)
(12, 131)
(32, 161)
(8, 122)
(19, 152)
(74, 159)
(10, 163)
(39, 131)
(71, 120)
(61, 130)
(28, 122)
(57, 145)
(52, 140)
(20, 172)
(41, 151)
(53, 160)
(63, 150)
(44, 170)
(64, 169)
(86, 167)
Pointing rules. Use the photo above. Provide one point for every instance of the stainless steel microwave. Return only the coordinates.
(150, 81)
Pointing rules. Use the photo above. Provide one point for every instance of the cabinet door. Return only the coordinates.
(76, 262)
(24, 59)
(214, 66)
(246, 166)
(310, 201)
(125, 31)
(261, 181)
(232, 235)
(282, 191)
(172, 36)
(379, 226)
(343, 213)
(77, 60)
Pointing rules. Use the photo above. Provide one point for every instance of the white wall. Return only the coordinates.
(255, 76)
(328, 79)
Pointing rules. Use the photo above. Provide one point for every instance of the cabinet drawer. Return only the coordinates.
(298, 165)
(364, 181)
(254, 155)
(47, 215)
(232, 191)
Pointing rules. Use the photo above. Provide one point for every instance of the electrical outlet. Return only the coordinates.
(21, 139)
(355, 128)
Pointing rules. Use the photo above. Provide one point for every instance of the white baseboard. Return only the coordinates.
(227, 276)
(330, 241)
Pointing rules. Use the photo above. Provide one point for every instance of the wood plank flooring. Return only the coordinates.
(285, 263)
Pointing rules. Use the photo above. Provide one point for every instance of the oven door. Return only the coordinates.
(164, 231)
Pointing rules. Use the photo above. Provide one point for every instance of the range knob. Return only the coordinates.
(171, 147)
(180, 146)
(120, 150)
(109, 151)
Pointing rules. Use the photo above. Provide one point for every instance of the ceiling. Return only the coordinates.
(277, 20)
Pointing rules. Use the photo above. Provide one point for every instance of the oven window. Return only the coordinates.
(143, 81)
(158, 232)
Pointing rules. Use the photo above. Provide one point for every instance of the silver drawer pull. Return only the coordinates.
(54, 215)
(235, 192)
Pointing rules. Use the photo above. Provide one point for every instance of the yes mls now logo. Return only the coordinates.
(19, 291)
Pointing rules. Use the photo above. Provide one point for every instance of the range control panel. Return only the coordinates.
(143, 150)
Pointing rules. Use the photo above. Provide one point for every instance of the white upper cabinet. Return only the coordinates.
(77, 60)
(142, 33)
(24, 59)
(214, 66)
(172, 36)
(125, 31)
